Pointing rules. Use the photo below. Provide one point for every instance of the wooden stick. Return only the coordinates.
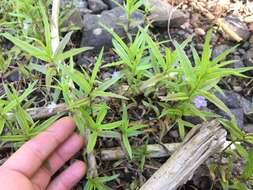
(200, 143)
(43, 112)
(155, 151)
(55, 25)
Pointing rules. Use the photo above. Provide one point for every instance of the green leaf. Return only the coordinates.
(222, 56)
(241, 150)
(70, 53)
(113, 125)
(171, 111)
(206, 49)
(186, 65)
(232, 127)
(109, 134)
(107, 84)
(2, 124)
(96, 68)
(44, 125)
(181, 128)
(78, 78)
(92, 141)
(22, 118)
(152, 81)
(13, 103)
(136, 127)
(97, 93)
(127, 145)
(46, 28)
(216, 101)
(31, 50)
(180, 96)
(108, 178)
(101, 115)
(63, 43)
(248, 170)
(196, 57)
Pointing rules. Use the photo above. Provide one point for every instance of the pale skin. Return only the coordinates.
(34, 164)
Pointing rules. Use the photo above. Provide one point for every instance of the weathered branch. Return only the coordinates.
(55, 25)
(43, 112)
(201, 142)
(154, 150)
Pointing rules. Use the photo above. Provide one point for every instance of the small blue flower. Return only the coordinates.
(51, 107)
(115, 74)
(200, 102)
(183, 77)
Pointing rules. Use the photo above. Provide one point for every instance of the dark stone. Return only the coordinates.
(231, 99)
(161, 12)
(248, 128)
(96, 36)
(219, 50)
(13, 77)
(112, 5)
(74, 20)
(249, 58)
(237, 103)
(97, 6)
(238, 63)
(238, 113)
(237, 26)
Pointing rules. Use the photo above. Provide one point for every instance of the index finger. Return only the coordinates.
(28, 159)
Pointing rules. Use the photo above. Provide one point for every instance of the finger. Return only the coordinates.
(70, 147)
(32, 154)
(69, 178)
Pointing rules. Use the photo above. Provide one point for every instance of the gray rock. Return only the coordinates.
(238, 113)
(231, 99)
(97, 6)
(237, 26)
(93, 33)
(248, 128)
(236, 102)
(249, 58)
(219, 50)
(112, 5)
(76, 3)
(238, 63)
(13, 77)
(74, 20)
(161, 11)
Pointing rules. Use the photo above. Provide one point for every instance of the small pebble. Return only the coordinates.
(237, 88)
(249, 19)
(200, 31)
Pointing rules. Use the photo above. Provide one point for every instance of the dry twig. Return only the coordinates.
(201, 142)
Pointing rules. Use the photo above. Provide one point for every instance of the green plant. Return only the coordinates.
(97, 128)
(130, 7)
(189, 85)
(129, 130)
(13, 111)
(132, 58)
(235, 152)
(98, 183)
(141, 154)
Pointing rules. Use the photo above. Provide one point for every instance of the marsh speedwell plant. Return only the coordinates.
(166, 82)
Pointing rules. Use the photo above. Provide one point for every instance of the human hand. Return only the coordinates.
(33, 165)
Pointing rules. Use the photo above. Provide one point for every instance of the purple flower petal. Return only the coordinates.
(200, 102)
